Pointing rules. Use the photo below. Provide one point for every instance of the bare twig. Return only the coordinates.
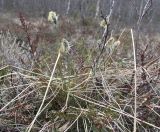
(105, 32)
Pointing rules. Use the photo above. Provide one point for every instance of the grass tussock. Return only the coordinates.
(88, 87)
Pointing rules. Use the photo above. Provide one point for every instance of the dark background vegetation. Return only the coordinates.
(126, 12)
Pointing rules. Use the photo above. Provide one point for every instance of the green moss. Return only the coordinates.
(3, 72)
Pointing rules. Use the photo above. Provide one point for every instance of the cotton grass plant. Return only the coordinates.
(53, 17)
(64, 48)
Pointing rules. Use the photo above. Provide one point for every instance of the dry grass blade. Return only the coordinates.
(45, 95)
(135, 83)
